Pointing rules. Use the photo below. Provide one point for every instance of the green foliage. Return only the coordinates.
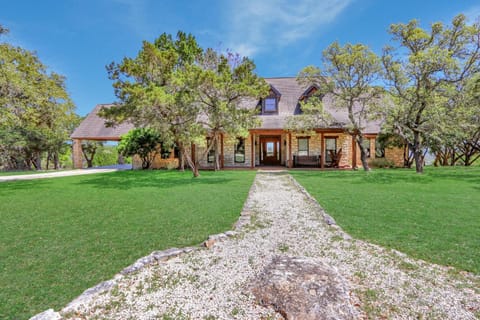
(219, 83)
(432, 216)
(348, 79)
(61, 236)
(143, 142)
(182, 91)
(35, 110)
(424, 83)
(381, 163)
(89, 149)
(106, 155)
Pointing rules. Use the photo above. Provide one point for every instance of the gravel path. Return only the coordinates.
(212, 283)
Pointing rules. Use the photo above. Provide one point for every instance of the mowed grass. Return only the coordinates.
(434, 216)
(61, 236)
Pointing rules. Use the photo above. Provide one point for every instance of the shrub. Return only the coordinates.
(381, 163)
(143, 142)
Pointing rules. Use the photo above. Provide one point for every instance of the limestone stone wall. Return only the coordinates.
(395, 155)
(314, 144)
(344, 141)
(158, 163)
(372, 151)
(229, 152)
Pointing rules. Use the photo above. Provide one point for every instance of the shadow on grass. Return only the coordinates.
(124, 180)
(392, 176)
(9, 187)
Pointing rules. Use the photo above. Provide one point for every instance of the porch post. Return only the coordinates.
(354, 152)
(290, 160)
(252, 149)
(77, 155)
(222, 158)
(323, 155)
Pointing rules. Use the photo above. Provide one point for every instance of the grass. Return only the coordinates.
(21, 173)
(434, 216)
(61, 236)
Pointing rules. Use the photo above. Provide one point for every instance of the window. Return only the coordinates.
(330, 148)
(211, 153)
(239, 153)
(302, 146)
(270, 105)
(379, 148)
(366, 146)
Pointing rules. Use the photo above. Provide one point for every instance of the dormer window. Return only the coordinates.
(270, 103)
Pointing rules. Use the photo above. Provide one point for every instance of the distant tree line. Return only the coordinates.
(425, 90)
(36, 112)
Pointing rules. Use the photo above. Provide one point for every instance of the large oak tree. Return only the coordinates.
(422, 73)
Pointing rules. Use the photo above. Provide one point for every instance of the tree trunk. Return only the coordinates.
(363, 153)
(417, 153)
(49, 156)
(56, 161)
(191, 163)
(182, 162)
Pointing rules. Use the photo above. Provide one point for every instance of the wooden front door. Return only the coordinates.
(270, 151)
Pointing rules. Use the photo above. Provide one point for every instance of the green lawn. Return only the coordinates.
(61, 236)
(434, 216)
(18, 173)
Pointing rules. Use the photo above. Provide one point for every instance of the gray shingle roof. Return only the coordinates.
(93, 127)
(291, 91)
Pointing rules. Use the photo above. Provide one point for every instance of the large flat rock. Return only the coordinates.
(303, 288)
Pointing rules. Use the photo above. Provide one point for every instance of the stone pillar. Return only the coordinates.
(252, 147)
(77, 155)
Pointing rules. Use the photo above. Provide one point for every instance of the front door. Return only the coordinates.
(270, 151)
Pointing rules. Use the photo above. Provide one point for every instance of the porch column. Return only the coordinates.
(77, 155)
(222, 157)
(354, 152)
(290, 160)
(252, 147)
(322, 146)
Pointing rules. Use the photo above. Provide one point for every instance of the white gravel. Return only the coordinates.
(211, 283)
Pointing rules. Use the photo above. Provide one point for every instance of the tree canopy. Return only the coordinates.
(348, 78)
(183, 92)
(36, 115)
(424, 74)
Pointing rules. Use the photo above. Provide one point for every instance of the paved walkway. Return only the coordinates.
(65, 173)
(284, 220)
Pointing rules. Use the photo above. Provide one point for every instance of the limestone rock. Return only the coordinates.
(47, 315)
(303, 288)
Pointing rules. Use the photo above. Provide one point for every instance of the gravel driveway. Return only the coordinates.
(212, 283)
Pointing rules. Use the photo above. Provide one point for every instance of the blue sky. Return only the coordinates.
(78, 38)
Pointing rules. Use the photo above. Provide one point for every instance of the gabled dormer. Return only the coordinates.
(269, 104)
(311, 91)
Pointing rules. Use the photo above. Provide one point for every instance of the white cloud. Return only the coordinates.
(473, 14)
(256, 25)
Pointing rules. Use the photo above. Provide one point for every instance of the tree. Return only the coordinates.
(152, 92)
(219, 84)
(420, 81)
(89, 149)
(143, 142)
(35, 109)
(183, 92)
(348, 78)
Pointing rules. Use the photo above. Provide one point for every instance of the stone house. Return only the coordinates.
(271, 143)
